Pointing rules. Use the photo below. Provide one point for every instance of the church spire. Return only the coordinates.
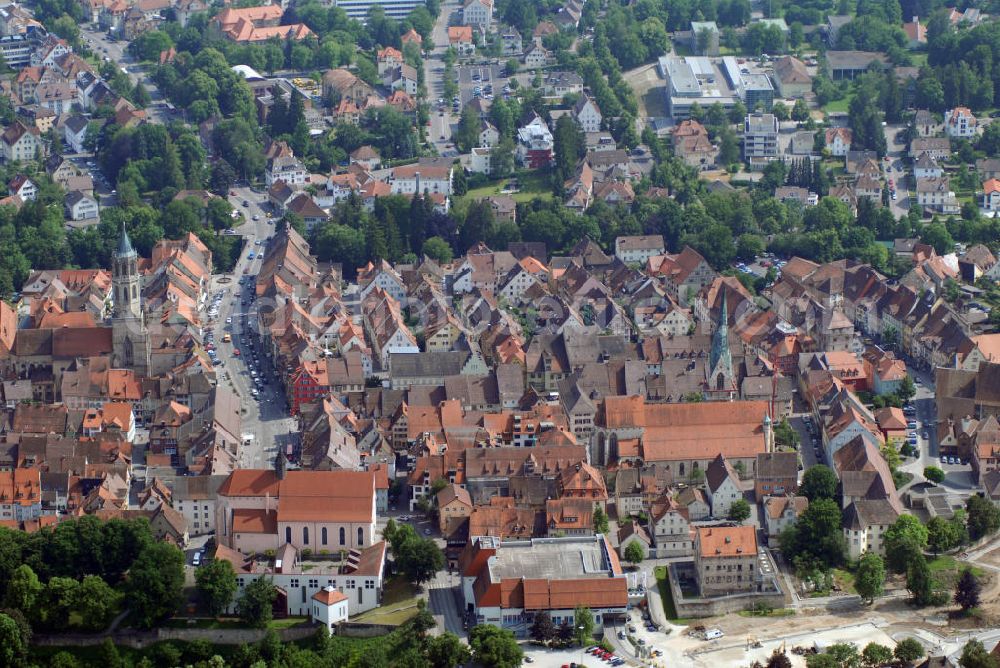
(124, 244)
(720, 360)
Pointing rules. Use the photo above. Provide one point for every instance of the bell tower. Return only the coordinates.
(128, 322)
(125, 279)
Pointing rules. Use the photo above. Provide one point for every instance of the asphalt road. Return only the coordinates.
(104, 47)
(439, 133)
(265, 417)
(895, 169)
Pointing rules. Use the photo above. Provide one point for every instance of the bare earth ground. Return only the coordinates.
(648, 87)
(991, 590)
(887, 621)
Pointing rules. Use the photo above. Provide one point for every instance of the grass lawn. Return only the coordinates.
(845, 579)
(780, 612)
(668, 599)
(839, 106)
(946, 569)
(228, 623)
(533, 185)
(399, 603)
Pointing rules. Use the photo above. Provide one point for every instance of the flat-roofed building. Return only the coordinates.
(394, 9)
(694, 79)
(507, 583)
(760, 138)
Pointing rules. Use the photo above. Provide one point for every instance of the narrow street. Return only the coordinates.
(444, 598)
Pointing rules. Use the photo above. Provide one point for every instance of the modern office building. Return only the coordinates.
(396, 9)
(708, 81)
(760, 139)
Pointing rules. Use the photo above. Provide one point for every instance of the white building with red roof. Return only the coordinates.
(991, 195)
(329, 607)
(355, 576)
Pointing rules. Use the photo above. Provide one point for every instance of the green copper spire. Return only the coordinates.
(721, 358)
(124, 244)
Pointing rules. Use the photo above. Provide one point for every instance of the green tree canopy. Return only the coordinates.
(95, 603)
(905, 539)
(633, 553)
(919, 580)
(974, 655)
(817, 536)
(216, 582)
(583, 625)
(12, 644)
(495, 647)
(153, 590)
(600, 520)
(934, 474)
(967, 590)
(739, 511)
(819, 482)
(870, 577)
(419, 559)
(255, 604)
(908, 650)
(446, 651)
(983, 517)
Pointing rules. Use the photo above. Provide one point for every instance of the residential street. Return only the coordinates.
(440, 128)
(895, 169)
(104, 47)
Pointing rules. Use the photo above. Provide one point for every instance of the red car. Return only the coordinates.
(236, 351)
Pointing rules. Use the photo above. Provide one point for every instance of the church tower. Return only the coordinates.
(721, 381)
(128, 323)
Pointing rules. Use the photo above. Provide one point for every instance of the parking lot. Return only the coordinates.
(486, 78)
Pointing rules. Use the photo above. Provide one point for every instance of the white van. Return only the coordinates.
(713, 634)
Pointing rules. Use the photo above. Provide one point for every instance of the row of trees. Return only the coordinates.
(816, 541)
(580, 631)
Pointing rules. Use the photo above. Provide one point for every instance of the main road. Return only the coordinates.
(265, 417)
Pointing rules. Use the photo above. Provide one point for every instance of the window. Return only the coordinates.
(313, 584)
(369, 584)
(288, 534)
(305, 535)
(361, 536)
(294, 583)
(323, 536)
(343, 536)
